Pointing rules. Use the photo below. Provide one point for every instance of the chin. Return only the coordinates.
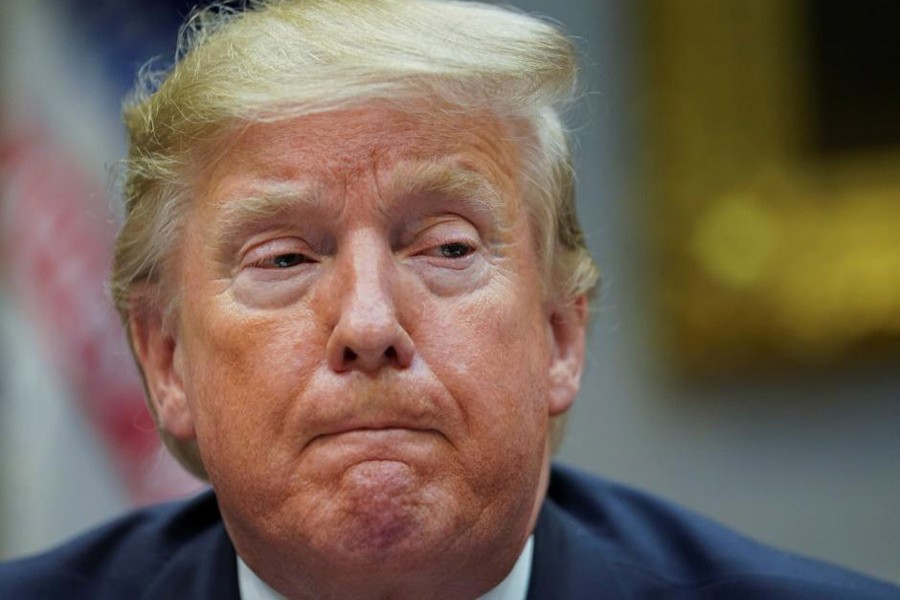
(383, 513)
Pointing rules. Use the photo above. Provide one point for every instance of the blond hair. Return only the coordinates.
(278, 59)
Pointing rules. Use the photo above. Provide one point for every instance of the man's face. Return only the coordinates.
(363, 351)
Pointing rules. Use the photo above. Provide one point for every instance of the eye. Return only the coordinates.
(455, 250)
(285, 260)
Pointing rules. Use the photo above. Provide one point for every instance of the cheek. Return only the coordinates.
(503, 338)
(494, 358)
(242, 376)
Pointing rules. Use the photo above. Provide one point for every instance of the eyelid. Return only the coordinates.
(444, 230)
(255, 254)
(447, 230)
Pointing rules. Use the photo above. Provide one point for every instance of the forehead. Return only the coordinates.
(378, 144)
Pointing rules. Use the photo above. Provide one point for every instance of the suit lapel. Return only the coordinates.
(570, 563)
(205, 568)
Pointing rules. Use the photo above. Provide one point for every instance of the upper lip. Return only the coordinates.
(371, 426)
(341, 406)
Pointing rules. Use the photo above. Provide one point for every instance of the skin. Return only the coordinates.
(367, 360)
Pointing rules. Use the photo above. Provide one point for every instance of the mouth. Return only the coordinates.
(385, 442)
(366, 425)
(374, 432)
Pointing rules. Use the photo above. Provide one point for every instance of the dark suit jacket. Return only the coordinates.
(593, 540)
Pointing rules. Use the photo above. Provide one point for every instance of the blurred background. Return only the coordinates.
(739, 181)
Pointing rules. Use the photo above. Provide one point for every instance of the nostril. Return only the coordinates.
(391, 353)
(349, 355)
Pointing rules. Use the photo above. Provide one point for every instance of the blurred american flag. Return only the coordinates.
(66, 66)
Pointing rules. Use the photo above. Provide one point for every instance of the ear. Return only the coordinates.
(159, 356)
(568, 325)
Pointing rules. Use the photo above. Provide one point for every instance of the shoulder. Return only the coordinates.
(653, 548)
(164, 545)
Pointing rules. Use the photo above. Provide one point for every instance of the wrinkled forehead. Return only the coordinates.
(399, 151)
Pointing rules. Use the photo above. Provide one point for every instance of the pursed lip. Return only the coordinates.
(374, 430)
(413, 401)
(375, 435)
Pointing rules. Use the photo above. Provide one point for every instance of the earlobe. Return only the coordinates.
(159, 356)
(568, 325)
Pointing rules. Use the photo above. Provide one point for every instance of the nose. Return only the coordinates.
(368, 335)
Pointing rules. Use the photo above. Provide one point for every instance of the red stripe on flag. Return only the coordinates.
(57, 238)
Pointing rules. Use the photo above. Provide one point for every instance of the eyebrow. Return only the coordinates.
(265, 203)
(447, 179)
(442, 179)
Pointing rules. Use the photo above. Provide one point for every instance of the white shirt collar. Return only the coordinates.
(514, 587)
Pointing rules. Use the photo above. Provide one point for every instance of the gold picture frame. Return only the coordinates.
(771, 254)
